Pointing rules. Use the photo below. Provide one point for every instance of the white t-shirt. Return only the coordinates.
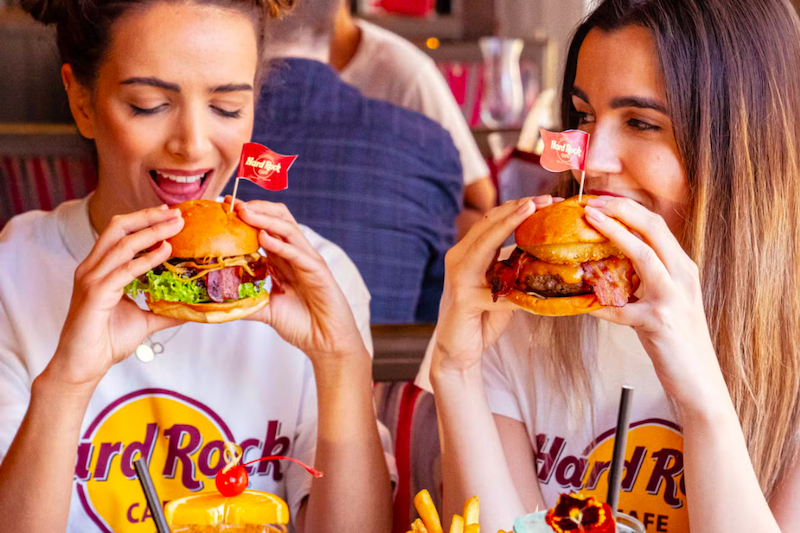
(573, 452)
(237, 382)
(390, 68)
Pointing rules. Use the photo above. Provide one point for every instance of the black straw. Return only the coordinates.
(620, 443)
(153, 501)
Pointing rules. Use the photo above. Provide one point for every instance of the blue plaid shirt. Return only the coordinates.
(382, 182)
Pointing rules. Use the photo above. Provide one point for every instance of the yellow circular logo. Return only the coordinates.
(652, 483)
(181, 439)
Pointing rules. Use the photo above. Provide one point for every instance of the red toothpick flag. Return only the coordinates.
(564, 151)
(263, 167)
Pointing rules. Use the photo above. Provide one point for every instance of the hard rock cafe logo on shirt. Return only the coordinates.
(181, 439)
(653, 487)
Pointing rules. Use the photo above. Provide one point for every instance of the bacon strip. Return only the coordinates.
(272, 271)
(502, 276)
(223, 284)
(610, 280)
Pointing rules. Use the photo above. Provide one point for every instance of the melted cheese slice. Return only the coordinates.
(568, 273)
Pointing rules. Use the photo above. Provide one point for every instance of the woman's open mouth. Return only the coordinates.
(176, 186)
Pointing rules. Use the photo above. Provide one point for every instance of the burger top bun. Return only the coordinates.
(560, 234)
(210, 231)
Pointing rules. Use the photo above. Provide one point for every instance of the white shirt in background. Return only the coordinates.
(390, 68)
(237, 381)
(573, 451)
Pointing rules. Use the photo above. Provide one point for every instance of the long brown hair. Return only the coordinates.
(730, 72)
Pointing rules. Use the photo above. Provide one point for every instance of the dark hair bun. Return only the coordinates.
(278, 8)
(46, 11)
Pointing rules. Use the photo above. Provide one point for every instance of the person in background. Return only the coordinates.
(166, 91)
(692, 107)
(387, 67)
(382, 182)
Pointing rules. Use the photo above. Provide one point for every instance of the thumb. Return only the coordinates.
(156, 323)
(624, 316)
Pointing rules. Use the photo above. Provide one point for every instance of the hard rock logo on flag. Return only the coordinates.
(264, 167)
(565, 150)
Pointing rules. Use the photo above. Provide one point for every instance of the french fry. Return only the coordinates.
(471, 512)
(473, 528)
(457, 525)
(418, 527)
(427, 511)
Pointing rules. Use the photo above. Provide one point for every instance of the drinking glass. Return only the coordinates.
(502, 101)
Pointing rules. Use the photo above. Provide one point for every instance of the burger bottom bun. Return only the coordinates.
(211, 313)
(559, 306)
(572, 254)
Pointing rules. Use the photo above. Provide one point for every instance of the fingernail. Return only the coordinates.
(594, 214)
(163, 206)
(542, 198)
(175, 213)
(526, 207)
(558, 199)
(597, 202)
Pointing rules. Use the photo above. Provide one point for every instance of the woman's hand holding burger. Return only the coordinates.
(668, 317)
(469, 321)
(103, 328)
(311, 313)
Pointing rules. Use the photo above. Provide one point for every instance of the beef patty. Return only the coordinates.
(550, 286)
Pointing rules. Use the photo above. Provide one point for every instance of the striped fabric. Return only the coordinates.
(42, 182)
(410, 414)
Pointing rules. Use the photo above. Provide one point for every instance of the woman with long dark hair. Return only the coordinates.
(692, 107)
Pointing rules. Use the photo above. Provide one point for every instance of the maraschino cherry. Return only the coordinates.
(232, 480)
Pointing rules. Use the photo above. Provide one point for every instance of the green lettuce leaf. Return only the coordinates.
(167, 286)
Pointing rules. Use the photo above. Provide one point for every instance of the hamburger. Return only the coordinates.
(249, 512)
(563, 266)
(215, 274)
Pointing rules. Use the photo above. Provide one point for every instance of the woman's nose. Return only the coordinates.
(191, 139)
(603, 155)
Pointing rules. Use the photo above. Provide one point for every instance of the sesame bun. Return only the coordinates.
(230, 236)
(560, 234)
(211, 313)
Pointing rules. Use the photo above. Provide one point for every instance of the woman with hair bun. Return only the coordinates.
(692, 107)
(166, 91)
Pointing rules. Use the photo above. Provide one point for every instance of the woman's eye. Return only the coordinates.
(584, 118)
(642, 126)
(146, 110)
(227, 114)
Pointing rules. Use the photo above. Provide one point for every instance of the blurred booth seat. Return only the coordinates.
(409, 413)
(42, 166)
(43, 159)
